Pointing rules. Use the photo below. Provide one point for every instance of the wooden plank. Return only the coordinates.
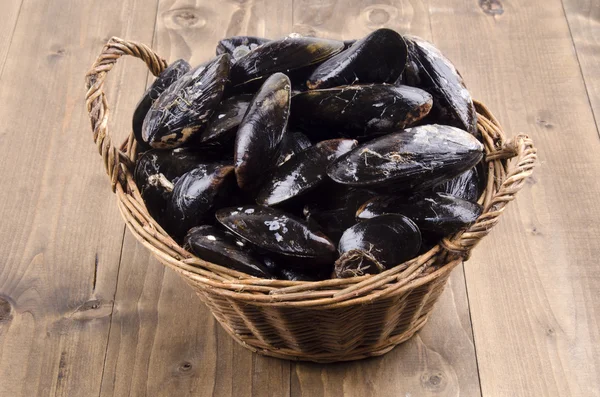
(163, 340)
(584, 21)
(10, 13)
(440, 360)
(533, 283)
(61, 235)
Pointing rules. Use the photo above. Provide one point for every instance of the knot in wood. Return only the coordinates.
(5, 310)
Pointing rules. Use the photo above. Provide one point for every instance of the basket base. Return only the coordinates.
(259, 347)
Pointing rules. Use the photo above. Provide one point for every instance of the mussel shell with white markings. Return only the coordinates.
(360, 110)
(196, 195)
(238, 46)
(303, 172)
(173, 163)
(452, 102)
(185, 107)
(416, 158)
(259, 136)
(216, 246)
(466, 186)
(379, 57)
(168, 76)
(284, 55)
(157, 170)
(293, 142)
(377, 244)
(224, 122)
(437, 212)
(288, 240)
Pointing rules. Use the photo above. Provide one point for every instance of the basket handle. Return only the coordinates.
(97, 105)
(521, 167)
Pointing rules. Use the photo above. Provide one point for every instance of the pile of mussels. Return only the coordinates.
(305, 158)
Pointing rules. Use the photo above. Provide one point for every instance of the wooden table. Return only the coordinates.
(85, 310)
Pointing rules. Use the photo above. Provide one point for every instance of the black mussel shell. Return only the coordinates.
(435, 212)
(465, 186)
(349, 43)
(284, 55)
(268, 263)
(168, 76)
(157, 170)
(411, 74)
(293, 143)
(196, 195)
(216, 246)
(303, 172)
(416, 158)
(332, 222)
(428, 241)
(337, 212)
(223, 124)
(172, 163)
(452, 102)
(377, 244)
(185, 107)
(156, 190)
(259, 136)
(361, 110)
(379, 57)
(287, 239)
(295, 275)
(238, 46)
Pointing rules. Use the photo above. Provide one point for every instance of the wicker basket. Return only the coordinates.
(325, 321)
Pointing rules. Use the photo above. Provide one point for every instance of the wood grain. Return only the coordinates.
(433, 363)
(60, 231)
(584, 22)
(10, 13)
(532, 283)
(163, 340)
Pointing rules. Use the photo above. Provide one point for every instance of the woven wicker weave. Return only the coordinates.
(332, 320)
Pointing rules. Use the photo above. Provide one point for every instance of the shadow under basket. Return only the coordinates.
(325, 321)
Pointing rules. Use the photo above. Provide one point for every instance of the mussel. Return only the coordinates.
(303, 172)
(259, 136)
(172, 163)
(184, 108)
(224, 122)
(293, 143)
(287, 239)
(437, 212)
(466, 186)
(214, 245)
(238, 46)
(284, 55)
(157, 170)
(168, 76)
(433, 72)
(360, 110)
(196, 195)
(379, 57)
(335, 210)
(295, 275)
(416, 158)
(377, 244)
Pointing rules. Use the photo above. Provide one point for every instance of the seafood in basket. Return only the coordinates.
(310, 156)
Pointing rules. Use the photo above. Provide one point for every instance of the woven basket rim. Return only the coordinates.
(505, 179)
